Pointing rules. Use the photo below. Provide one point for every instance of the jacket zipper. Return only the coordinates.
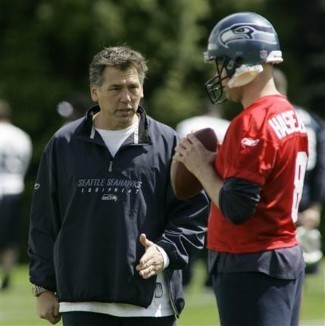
(110, 166)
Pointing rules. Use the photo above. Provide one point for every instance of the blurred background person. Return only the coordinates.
(313, 195)
(15, 156)
(210, 117)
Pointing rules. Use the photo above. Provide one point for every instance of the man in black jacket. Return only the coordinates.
(108, 238)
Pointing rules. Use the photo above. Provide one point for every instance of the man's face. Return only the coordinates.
(118, 98)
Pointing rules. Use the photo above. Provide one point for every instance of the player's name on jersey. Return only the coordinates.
(286, 123)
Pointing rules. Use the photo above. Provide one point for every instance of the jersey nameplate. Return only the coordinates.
(286, 123)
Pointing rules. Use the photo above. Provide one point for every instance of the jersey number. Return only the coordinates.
(300, 169)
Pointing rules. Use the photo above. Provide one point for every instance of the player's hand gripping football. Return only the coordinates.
(191, 152)
(152, 261)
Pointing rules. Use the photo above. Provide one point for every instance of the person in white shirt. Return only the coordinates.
(15, 155)
(210, 118)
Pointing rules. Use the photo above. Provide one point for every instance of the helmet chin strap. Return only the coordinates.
(244, 75)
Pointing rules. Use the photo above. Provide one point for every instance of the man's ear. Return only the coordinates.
(93, 93)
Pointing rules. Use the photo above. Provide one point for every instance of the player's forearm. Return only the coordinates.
(211, 182)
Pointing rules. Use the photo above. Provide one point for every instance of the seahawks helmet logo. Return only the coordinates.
(252, 32)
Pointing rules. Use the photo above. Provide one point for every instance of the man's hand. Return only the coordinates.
(48, 307)
(191, 152)
(152, 261)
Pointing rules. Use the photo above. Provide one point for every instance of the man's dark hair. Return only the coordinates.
(121, 57)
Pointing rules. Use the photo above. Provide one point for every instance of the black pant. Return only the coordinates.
(80, 318)
(10, 206)
(254, 299)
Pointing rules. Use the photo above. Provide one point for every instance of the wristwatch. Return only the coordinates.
(37, 290)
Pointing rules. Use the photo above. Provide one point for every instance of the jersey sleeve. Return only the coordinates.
(250, 152)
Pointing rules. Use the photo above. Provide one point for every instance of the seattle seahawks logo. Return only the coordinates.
(252, 32)
(109, 197)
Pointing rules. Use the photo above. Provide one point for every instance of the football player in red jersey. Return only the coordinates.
(256, 182)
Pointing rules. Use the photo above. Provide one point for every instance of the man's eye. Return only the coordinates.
(133, 87)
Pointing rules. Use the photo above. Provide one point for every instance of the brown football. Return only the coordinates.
(184, 183)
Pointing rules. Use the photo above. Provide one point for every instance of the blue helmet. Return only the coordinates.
(240, 43)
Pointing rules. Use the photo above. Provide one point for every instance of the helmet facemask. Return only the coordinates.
(214, 85)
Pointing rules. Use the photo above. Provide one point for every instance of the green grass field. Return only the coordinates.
(17, 306)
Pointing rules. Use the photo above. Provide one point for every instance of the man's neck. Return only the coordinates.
(262, 85)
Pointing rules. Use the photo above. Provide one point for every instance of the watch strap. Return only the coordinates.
(38, 290)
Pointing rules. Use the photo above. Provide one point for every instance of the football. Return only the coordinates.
(184, 183)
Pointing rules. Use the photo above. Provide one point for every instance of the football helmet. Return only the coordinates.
(240, 44)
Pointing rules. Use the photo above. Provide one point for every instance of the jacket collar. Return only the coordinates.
(87, 127)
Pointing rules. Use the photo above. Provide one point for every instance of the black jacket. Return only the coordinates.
(89, 209)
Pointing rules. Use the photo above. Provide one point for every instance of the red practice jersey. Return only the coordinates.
(265, 144)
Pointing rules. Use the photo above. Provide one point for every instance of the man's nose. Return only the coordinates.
(125, 95)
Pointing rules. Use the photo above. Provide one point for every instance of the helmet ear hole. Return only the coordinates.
(239, 61)
(230, 66)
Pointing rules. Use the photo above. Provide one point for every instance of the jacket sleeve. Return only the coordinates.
(44, 224)
(185, 229)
